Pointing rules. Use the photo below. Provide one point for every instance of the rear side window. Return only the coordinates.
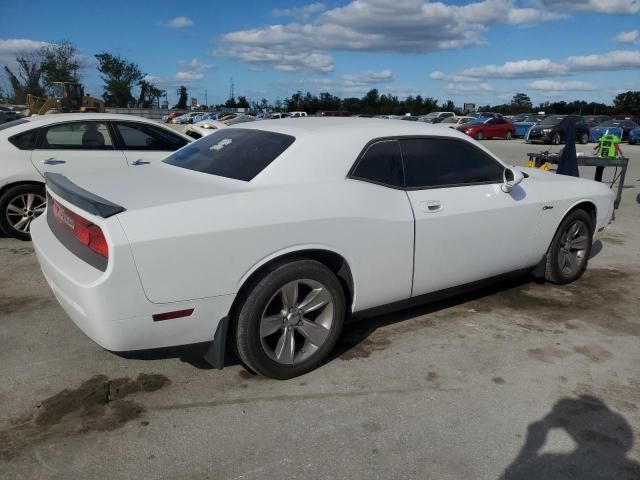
(232, 153)
(381, 163)
(437, 162)
(25, 140)
(76, 136)
(140, 136)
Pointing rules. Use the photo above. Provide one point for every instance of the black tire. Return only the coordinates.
(7, 217)
(245, 327)
(509, 135)
(584, 138)
(555, 140)
(480, 135)
(557, 268)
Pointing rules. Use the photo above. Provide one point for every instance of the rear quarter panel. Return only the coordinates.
(207, 247)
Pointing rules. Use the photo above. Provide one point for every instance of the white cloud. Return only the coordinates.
(469, 88)
(616, 60)
(521, 68)
(437, 75)
(13, 47)
(550, 85)
(598, 6)
(368, 78)
(405, 26)
(627, 37)
(188, 76)
(300, 13)
(180, 22)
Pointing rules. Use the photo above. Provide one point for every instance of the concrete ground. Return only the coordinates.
(523, 380)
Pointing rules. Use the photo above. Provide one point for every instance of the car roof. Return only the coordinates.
(326, 147)
(36, 121)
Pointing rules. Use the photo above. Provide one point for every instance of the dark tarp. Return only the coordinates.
(568, 162)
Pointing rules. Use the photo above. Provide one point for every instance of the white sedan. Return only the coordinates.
(267, 235)
(70, 143)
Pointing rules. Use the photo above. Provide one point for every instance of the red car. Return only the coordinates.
(173, 115)
(488, 128)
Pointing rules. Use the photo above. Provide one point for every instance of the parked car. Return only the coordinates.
(298, 114)
(520, 117)
(594, 120)
(551, 130)
(523, 126)
(203, 128)
(8, 114)
(621, 128)
(207, 245)
(482, 128)
(279, 115)
(173, 115)
(485, 115)
(634, 136)
(70, 143)
(435, 117)
(454, 122)
(186, 118)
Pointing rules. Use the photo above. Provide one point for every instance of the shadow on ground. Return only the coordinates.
(603, 439)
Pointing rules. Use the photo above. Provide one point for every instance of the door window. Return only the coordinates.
(141, 136)
(438, 162)
(76, 136)
(381, 163)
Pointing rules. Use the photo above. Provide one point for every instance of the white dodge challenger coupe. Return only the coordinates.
(265, 236)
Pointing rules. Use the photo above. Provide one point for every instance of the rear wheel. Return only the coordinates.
(569, 252)
(509, 135)
(290, 319)
(480, 135)
(19, 206)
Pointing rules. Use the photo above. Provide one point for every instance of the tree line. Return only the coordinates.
(36, 72)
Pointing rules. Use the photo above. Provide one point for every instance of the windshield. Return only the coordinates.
(552, 120)
(450, 120)
(232, 153)
(431, 115)
(532, 119)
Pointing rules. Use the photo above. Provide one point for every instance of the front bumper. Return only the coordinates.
(538, 137)
(110, 307)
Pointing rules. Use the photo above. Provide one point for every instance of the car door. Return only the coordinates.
(466, 227)
(492, 128)
(144, 143)
(77, 147)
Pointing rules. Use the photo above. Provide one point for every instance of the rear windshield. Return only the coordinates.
(232, 153)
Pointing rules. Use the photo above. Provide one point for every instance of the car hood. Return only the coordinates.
(153, 185)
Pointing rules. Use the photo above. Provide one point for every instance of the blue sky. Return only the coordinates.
(480, 51)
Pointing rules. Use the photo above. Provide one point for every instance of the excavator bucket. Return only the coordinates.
(40, 106)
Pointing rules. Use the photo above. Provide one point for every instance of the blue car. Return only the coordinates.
(523, 126)
(634, 136)
(621, 128)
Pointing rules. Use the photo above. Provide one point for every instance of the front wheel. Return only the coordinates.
(569, 252)
(584, 139)
(555, 140)
(19, 206)
(290, 319)
(480, 135)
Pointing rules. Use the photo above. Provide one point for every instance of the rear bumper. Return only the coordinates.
(110, 307)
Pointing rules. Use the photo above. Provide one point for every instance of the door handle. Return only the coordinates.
(431, 206)
(53, 161)
(140, 162)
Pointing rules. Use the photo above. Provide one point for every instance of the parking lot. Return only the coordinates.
(456, 389)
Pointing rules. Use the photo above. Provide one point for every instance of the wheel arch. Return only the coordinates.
(6, 187)
(588, 206)
(333, 260)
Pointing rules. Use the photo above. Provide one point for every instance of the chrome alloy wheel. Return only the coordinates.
(23, 209)
(573, 248)
(297, 321)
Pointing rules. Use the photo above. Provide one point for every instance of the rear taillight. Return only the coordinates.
(82, 229)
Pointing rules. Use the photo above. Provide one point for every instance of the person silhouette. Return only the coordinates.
(603, 439)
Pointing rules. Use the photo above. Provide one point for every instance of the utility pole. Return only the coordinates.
(232, 93)
(206, 98)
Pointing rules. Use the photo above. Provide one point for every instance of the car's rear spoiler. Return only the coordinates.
(61, 185)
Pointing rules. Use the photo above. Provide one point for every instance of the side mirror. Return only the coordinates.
(510, 178)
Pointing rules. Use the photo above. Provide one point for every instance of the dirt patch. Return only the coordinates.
(98, 404)
(432, 377)
(623, 396)
(498, 380)
(595, 353)
(612, 239)
(17, 251)
(548, 354)
(18, 303)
